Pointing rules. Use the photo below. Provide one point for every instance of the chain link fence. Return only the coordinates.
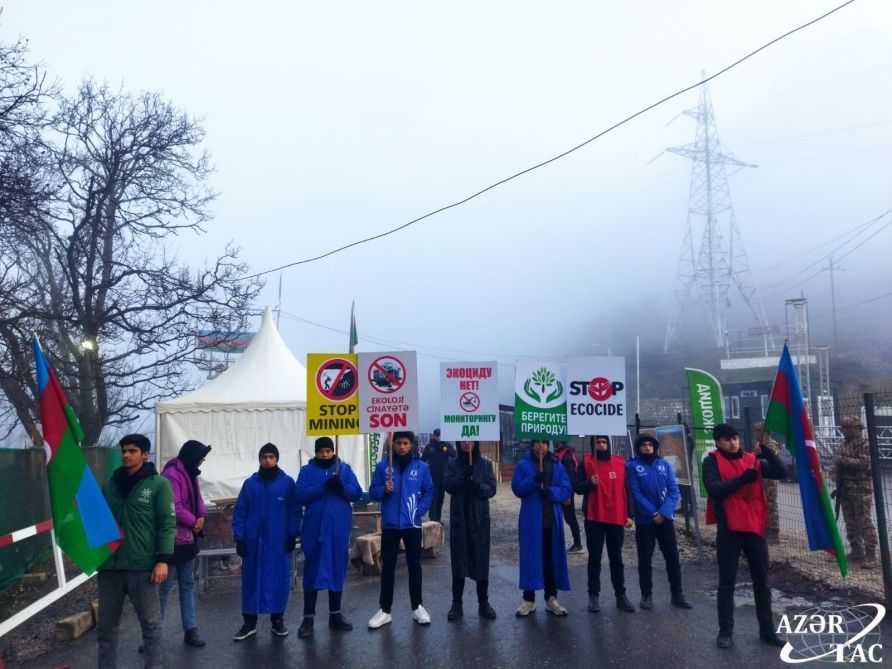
(855, 451)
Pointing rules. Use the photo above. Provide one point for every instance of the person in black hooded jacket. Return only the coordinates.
(437, 455)
(471, 483)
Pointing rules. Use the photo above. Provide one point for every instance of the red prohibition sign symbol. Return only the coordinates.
(336, 379)
(469, 402)
(600, 389)
(387, 374)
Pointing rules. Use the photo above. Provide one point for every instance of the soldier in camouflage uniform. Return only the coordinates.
(772, 530)
(855, 489)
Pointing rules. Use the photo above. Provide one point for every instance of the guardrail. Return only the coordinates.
(63, 587)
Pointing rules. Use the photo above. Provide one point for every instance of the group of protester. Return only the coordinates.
(163, 515)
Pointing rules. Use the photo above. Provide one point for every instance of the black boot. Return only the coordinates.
(594, 602)
(724, 640)
(623, 604)
(338, 622)
(647, 601)
(305, 631)
(484, 610)
(770, 637)
(191, 638)
(456, 612)
(679, 601)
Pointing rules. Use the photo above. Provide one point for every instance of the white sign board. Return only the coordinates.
(596, 395)
(388, 392)
(469, 401)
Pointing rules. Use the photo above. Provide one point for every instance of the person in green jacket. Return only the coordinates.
(142, 503)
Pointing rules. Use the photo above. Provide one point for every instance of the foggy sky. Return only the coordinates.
(328, 122)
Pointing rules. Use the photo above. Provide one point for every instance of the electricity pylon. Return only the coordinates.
(717, 266)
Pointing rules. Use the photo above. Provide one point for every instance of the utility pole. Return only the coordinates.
(833, 304)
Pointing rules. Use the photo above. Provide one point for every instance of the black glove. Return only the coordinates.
(748, 476)
(539, 477)
(290, 543)
(241, 548)
(334, 483)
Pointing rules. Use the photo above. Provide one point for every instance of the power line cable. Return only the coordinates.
(852, 306)
(557, 157)
(394, 344)
(821, 133)
(859, 231)
(857, 228)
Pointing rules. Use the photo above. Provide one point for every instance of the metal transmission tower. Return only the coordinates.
(717, 267)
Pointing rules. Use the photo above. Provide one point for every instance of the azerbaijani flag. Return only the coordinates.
(788, 415)
(354, 338)
(84, 525)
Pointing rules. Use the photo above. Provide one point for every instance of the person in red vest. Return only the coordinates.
(738, 507)
(606, 503)
(567, 457)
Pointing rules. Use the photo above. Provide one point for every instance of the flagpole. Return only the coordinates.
(57, 557)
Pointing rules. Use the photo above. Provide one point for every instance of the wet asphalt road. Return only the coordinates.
(664, 636)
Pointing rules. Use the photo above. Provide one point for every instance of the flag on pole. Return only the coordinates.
(788, 415)
(84, 526)
(354, 338)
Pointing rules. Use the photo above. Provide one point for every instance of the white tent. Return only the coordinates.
(261, 398)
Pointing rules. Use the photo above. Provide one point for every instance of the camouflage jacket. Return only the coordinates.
(852, 462)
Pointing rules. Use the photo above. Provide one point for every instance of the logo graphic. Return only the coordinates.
(543, 387)
(469, 402)
(336, 379)
(847, 635)
(600, 389)
(387, 374)
(146, 494)
(611, 475)
(412, 508)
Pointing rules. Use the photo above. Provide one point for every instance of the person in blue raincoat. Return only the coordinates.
(265, 526)
(325, 488)
(403, 484)
(543, 486)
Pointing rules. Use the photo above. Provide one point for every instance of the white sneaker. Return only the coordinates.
(380, 619)
(525, 609)
(421, 616)
(553, 607)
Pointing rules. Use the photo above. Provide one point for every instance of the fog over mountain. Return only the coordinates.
(332, 122)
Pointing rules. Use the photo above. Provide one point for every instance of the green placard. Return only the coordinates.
(706, 412)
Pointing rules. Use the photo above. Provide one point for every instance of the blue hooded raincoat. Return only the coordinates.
(266, 514)
(328, 518)
(530, 523)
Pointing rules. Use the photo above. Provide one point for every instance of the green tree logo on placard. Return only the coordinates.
(543, 387)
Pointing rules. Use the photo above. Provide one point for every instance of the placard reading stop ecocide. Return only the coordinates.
(469, 401)
(388, 391)
(596, 395)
